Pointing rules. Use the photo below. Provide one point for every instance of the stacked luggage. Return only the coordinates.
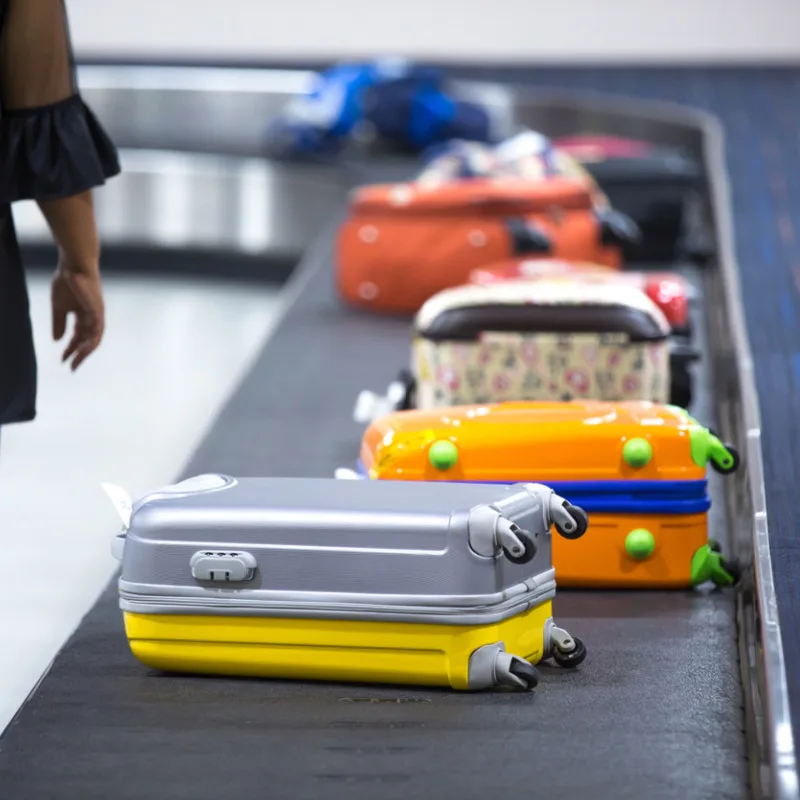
(402, 243)
(540, 430)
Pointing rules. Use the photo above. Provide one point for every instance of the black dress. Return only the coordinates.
(51, 146)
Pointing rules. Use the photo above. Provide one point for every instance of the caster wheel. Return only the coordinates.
(526, 672)
(714, 546)
(529, 551)
(581, 520)
(573, 658)
(734, 570)
(733, 466)
(407, 379)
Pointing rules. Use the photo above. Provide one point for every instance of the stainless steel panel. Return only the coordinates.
(561, 113)
(192, 179)
(191, 201)
(227, 110)
(176, 108)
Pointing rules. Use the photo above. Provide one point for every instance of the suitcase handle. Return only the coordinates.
(492, 196)
(526, 238)
(123, 505)
(617, 229)
(680, 354)
(118, 546)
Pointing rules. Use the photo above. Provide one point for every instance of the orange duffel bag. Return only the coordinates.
(403, 243)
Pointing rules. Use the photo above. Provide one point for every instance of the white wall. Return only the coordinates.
(492, 30)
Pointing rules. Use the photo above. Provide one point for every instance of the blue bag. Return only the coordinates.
(403, 104)
(319, 122)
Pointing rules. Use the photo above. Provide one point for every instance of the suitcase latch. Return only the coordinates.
(223, 567)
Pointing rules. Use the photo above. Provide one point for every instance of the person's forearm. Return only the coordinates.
(72, 222)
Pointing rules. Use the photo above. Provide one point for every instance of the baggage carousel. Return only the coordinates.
(674, 700)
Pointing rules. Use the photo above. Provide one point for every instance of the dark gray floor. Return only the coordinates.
(653, 714)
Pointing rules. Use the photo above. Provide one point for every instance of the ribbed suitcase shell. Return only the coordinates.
(316, 578)
(639, 469)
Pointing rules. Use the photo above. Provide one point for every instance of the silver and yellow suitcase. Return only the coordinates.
(366, 581)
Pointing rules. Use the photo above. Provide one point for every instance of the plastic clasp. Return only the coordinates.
(223, 567)
(700, 444)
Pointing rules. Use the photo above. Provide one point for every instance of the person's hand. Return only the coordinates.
(80, 294)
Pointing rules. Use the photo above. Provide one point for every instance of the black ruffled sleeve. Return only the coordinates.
(51, 144)
(54, 151)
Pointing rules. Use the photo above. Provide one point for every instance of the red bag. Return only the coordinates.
(403, 243)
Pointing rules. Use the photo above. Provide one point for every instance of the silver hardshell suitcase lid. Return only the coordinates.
(454, 553)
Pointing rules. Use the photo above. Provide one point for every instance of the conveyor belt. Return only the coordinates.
(655, 712)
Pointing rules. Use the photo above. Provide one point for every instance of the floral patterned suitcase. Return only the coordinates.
(544, 340)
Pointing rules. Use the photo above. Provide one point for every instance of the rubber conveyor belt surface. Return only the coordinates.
(655, 711)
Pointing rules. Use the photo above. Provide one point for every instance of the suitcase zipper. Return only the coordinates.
(621, 497)
(637, 497)
(533, 592)
(632, 497)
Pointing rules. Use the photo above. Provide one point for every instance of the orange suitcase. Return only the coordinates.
(403, 243)
(638, 469)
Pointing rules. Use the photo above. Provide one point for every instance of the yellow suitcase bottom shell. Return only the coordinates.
(329, 650)
(602, 557)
